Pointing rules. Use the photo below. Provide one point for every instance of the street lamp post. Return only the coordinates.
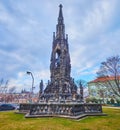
(30, 73)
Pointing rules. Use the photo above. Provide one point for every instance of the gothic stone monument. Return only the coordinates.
(60, 98)
(61, 86)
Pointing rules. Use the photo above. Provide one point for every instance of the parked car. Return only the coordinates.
(17, 106)
(5, 107)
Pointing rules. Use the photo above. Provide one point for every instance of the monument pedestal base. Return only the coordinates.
(65, 110)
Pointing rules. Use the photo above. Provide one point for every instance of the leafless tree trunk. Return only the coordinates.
(1, 83)
(12, 90)
(110, 70)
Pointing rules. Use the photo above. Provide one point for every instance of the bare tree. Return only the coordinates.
(3, 86)
(1, 83)
(12, 89)
(6, 86)
(110, 71)
(101, 90)
(81, 85)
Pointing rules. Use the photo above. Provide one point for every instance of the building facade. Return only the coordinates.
(100, 89)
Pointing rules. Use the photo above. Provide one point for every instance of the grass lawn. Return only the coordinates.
(12, 121)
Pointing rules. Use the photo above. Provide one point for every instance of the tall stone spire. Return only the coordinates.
(60, 97)
(60, 28)
(60, 18)
(60, 67)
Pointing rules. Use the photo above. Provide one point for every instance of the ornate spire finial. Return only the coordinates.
(60, 6)
(60, 28)
(60, 12)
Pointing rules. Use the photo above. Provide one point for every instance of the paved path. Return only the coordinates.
(110, 107)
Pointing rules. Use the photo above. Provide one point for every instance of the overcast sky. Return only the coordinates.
(26, 32)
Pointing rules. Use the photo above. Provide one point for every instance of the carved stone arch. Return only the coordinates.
(57, 47)
(57, 56)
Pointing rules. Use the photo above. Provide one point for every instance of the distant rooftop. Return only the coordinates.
(103, 79)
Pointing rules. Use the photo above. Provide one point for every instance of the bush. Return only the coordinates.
(88, 100)
(118, 101)
(92, 99)
(108, 102)
(112, 101)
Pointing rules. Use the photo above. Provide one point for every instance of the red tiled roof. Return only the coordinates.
(103, 79)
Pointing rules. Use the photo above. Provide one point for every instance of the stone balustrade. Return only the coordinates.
(71, 109)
